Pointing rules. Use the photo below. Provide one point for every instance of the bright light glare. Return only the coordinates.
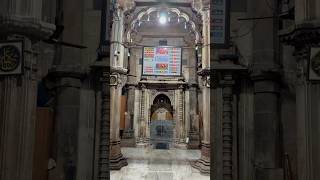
(163, 20)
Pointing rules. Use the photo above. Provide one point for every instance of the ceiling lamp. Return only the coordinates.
(163, 18)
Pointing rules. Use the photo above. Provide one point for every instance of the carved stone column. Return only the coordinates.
(203, 164)
(148, 116)
(181, 116)
(206, 38)
(225, 147)
(228, 138)
(136, 117)
(142, 118)
(117, 161)
(303, 37)
(128, 139)
(18, 97)
(18, 94)
(194, 135)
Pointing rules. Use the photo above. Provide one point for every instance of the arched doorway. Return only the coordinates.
(161, 127)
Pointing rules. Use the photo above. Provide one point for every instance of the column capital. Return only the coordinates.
(127, 5)
(31, 27)
(206, 5)
(227, 71)
(302, 34)
(68, 71)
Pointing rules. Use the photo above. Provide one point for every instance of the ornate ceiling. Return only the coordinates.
(188, 15)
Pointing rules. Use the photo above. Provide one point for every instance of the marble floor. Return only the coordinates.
(155, 164)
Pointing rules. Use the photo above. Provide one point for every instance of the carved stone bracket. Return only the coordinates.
(304, 34)
(302, 37)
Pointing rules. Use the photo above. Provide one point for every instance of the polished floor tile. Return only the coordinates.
(154, 164)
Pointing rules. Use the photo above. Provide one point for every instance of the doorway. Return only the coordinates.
(161, 126)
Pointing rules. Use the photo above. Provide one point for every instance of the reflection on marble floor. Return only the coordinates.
(154, 164)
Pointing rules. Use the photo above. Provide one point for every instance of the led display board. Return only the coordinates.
(161, 61)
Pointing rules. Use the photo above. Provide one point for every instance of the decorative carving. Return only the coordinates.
(302, 55)
(127, 5)
(132, 22)
(227, 127)
(305, 34)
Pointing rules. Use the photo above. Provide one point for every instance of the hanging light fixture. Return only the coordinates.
(163, 18)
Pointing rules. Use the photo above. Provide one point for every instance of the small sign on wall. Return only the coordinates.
(11, 57)
(314, 64)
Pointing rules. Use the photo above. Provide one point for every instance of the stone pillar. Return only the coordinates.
(136, 116)
(187, 112)
(225, 135)
(181, 116)
(180, 119)
(265, 75)
(147, 115)
(18, 94)
(117, 161)
(66, 115)
(142, 118)
(194, 134)
(267, 137)
(128, 138)
(206, 39)
(307, 105)
(303, 38)
(228, 138)
(18, 97)
(203, 164)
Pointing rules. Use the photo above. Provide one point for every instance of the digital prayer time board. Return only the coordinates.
(161, 61)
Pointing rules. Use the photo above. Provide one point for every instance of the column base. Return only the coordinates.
(194, 140)
(203, 164)
(117, 161)
(181, 145)
(142, 143)
(128, 139)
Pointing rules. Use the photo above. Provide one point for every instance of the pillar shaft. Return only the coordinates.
(128, 139)
(136, 120)
(18, 97)
(142, 119)
(228, 129)
(203, 164)
(265, 75)
(117, 161)
(206, 39)
(194, 134)
(181, 116)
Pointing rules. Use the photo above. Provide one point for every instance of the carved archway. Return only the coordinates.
(162, 102)
(143, 14)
